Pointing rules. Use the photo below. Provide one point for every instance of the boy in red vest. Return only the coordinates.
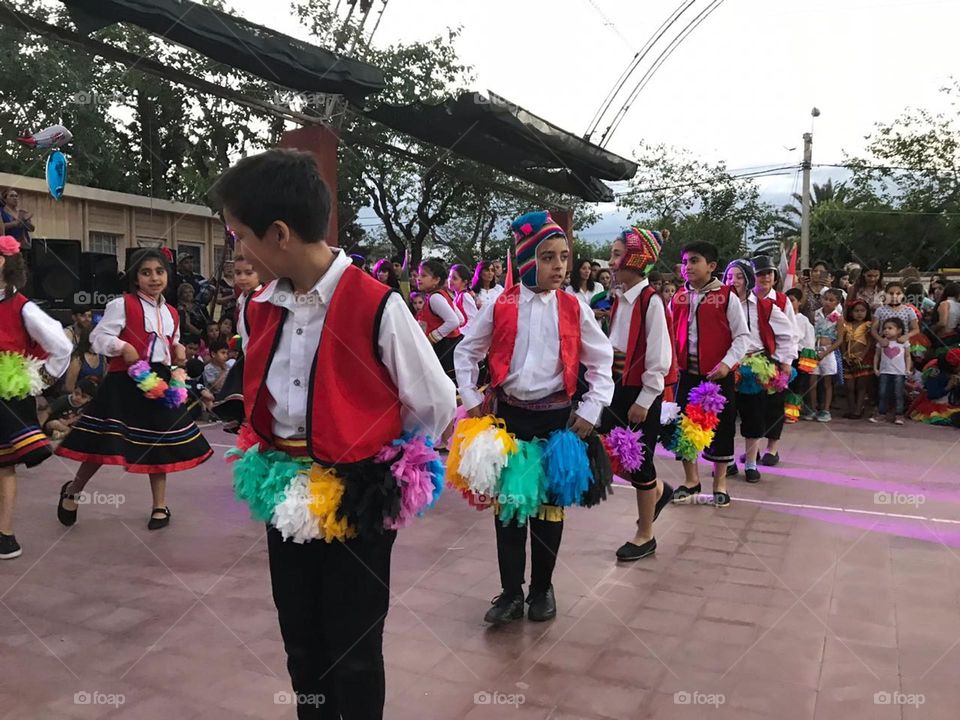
(643, 361)
(710, 335)
(335, 368)
(535, 339)
(771, 334)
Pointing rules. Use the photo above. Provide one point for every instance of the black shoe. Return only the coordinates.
(770, 459)
(157, 523)
(505, 608)
(721, 499)
(543, 605)
(683, 492)
(732, 469)
(629, 551)
(66, 517)
(751, 475)
(9, 547)
(664, 500)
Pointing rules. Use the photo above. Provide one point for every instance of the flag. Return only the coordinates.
(788, 272)
(508, 279)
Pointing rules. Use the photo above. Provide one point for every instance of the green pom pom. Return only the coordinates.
(523, 484)
(14, 379)
(261, 478)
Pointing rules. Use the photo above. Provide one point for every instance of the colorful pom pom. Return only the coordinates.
(708, 396)
(484, 457)
(418, 472)
(292, 515)
(694, 433)
(625, 447)
(154, 387)
(260, 479)
(326, 494)
(523, 484)
(567, 468)
(19, 376)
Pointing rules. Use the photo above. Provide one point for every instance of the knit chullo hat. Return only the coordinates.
(642, 248)
(746, 267)
(529, 230)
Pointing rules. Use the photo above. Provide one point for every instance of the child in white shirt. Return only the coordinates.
(892, 364)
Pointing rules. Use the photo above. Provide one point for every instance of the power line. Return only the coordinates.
(784, 170)
(662, 58)
(634, 63)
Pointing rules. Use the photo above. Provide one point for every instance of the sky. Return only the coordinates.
(740, 88)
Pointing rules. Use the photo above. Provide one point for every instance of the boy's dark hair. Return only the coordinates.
(138, 259)
(87, 386)
(654, 276)
(702, 247)
(190, 339)
(14, 273)
(893, 284)
(848, 312)
(194, 367)
(835, 293)
(287, 186)
(435, 268)
(396, 260)
(795, 293)
(915, 294)
(218, 345)
(896, 321)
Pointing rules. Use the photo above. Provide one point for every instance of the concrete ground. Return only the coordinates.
(828, 591)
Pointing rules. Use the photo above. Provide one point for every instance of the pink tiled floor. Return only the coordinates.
(811, 597)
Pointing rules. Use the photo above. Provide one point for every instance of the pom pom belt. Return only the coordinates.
(307, 501)
(537, 478)
(757, 373)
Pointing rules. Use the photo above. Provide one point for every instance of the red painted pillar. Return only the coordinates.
(322, 142)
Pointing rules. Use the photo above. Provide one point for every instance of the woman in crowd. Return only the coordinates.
(16, 221)
(947, 325)
(84, 363)
(459, 284)
(869, 285)
(484, 284)
(385, 272)
(581, 282)
(193, 314)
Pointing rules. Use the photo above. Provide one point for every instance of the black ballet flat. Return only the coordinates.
(157, 523)
(66, 517)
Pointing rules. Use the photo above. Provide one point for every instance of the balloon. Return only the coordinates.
(56, 173)
(55, 136)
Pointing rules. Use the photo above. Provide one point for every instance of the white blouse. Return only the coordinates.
(586, 295)
(157, 320)
(488, 295)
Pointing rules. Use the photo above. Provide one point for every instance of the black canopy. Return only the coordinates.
(503, 135)
(233, 41)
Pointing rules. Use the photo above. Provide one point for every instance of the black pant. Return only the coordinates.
(773, 415)
(332, 600)
(616, 416)
(545, 535)
(444, 349)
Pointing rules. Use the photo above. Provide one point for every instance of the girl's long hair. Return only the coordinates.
(392, 279)
(477, 283)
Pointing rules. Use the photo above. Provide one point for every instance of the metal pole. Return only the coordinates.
(805, 208)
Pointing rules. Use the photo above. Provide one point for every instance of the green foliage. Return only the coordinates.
(695, 201)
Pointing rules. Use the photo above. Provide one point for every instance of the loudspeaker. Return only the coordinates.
(55, 270)
(173, 279)
(99, 277)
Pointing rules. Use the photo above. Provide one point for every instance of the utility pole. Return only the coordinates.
(805, 203)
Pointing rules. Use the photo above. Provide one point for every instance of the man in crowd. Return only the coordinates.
(201, 288)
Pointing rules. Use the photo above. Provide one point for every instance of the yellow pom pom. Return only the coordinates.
(697, 435)
(326, 492)
(463, 434)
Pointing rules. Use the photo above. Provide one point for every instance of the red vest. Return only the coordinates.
(135, 331)
(637, 342)
(764, 310)
(13, 332)
(429, 320)
(353, 407)
(713, 329)
(459, 303)
(780, 300)
(506, 312)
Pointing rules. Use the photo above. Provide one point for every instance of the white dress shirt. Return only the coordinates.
(488, 295)
(427, 396)
(735, 318)
(535, 368)
(470, 309)
(787, 310)
(783, 331)
(586, 295)
(806, 333)
(656, 362)
(448, 313)
(157, 320)
(48, 334)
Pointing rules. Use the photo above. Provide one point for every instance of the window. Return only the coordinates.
(103, 242)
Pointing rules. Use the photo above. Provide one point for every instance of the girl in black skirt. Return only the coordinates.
(34, 352)
(122, 426)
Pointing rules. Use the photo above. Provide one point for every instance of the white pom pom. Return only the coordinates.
(292, 516)
(482, 461)
(669, 412)
(33, 366)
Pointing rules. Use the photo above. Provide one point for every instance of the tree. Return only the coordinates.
(791, 214)
(694, 200)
